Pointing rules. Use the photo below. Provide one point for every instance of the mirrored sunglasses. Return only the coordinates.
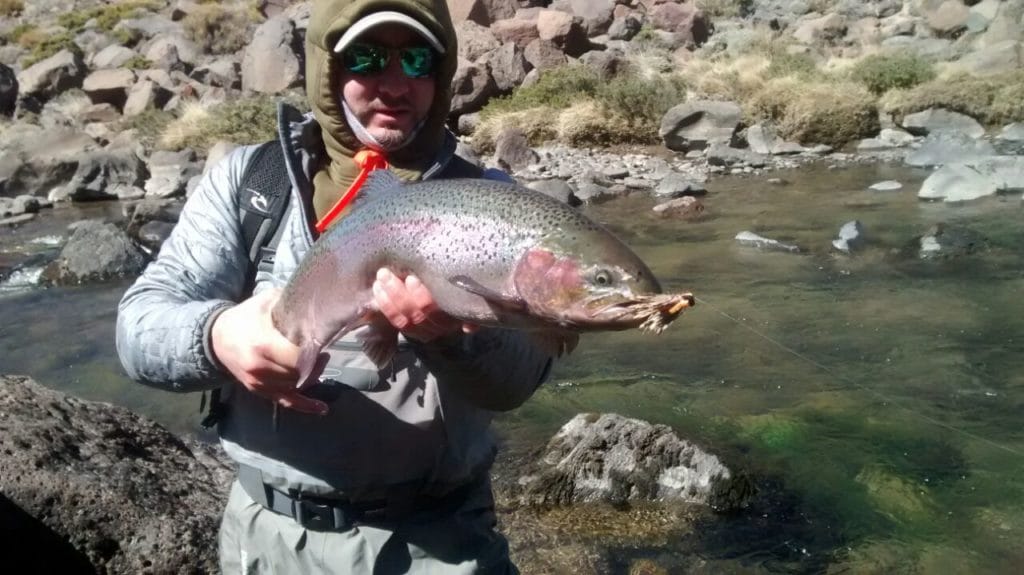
(369, 59)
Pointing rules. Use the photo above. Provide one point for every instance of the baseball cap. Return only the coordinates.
(386, 17)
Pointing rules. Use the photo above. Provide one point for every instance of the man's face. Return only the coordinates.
(389, 104)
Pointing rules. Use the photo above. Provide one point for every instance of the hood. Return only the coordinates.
(328, 21)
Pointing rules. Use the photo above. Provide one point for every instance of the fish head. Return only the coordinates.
(597, 285)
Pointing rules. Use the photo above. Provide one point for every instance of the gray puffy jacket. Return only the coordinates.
(424, 422)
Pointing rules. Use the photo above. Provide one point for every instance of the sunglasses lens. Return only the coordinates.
(418, 62)
(365, 59)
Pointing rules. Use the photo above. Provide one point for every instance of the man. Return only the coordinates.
(370, 471)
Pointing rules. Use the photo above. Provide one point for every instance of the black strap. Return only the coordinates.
(263, 195)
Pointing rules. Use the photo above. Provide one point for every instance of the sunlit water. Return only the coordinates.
(878, 398)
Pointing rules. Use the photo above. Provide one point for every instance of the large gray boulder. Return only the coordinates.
(272, 63)
(48, 78)
(92, 488)
(8, 91)
(697, 124)
(607, 457)
(95, 252)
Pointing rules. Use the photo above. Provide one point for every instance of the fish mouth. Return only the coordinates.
(649, 313)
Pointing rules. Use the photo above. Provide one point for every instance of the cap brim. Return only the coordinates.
(386, 17)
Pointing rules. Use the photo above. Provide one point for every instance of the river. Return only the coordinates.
(878, 397)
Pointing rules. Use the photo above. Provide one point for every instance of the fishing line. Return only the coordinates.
(863, 388)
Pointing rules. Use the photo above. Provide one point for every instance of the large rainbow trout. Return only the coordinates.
(491, 253)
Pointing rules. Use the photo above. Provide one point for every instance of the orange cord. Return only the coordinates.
(368, 161)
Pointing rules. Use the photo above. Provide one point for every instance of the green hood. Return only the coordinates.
(328, 21)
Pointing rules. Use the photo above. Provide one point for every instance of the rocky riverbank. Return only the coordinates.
(91, 487)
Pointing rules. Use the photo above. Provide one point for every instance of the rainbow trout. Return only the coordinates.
(491, 253)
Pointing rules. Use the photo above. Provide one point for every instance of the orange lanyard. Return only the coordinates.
(368, 161)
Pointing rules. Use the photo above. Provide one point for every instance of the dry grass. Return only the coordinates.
(11, 7)
(219, 29)
(992, 100)
(830, 112)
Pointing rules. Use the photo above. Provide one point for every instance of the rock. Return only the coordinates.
(887, 139)
(957, 183)
(113, 56)
(273, 61)
(556, 188)
(851, 237)
(941, 120)
(517, 31)
(544, 55)
(624, 28)
(684, 208)
(109, 86)
(483, 12)
(169, 173)
(724, 155)
(95, 252)
(762, 139)
(40, 159)
(146, 95)
(886, 186)
(607, 457)
(475, 40)
(686, 24)
(46, 79)
(92, 488)
(948, 19)
(223, 72)
(595, 15)
(562, 30)
(103, 175)
(945, 241)
(676, 185)
(508, 67)
(1012, 132)
(999, 58)
(949, 148)
(753, 240)
(827, 29)
(699, 123)
(8, 91)
(512, 150)
(472, 86)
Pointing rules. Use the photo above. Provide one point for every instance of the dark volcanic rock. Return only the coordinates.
(90, 484)
(96, 252)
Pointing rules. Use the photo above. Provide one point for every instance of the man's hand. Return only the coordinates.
(410, 307)
(247, 344)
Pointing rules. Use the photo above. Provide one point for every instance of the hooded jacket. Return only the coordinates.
(328, 21)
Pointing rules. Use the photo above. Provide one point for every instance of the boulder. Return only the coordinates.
(683, 208)
(52, 76)
(696, 124)
(945, 147)
(608, 457)
(93, 488)
(850, 238)
(170, 173)
(95, 252)
(103, 175)
(472, 86)
(508, 67)
(516, 30)
(942, 120)
(685, 22)
(512, 151)
(109, 86)
(483, 12)
(273, 61)
(8, 91)
(544, 55)
(562, 30)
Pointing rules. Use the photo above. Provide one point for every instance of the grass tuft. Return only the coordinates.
(219, 29)
(10, 8)
(880, 73)
(245, 121)
(992, 100)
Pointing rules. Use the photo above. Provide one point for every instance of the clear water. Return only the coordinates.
(878, 398)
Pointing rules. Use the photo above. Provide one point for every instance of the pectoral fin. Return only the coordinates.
(380, 343)
(508, 303)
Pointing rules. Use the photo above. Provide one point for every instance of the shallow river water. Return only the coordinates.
(878, 398)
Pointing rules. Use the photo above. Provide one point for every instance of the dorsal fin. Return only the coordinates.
(380, 183)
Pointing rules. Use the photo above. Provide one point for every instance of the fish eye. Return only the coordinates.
(603, 277)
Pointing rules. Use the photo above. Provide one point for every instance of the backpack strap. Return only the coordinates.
(264, 192)
(263, 195)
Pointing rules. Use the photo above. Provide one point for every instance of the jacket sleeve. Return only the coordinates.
(164, 319)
